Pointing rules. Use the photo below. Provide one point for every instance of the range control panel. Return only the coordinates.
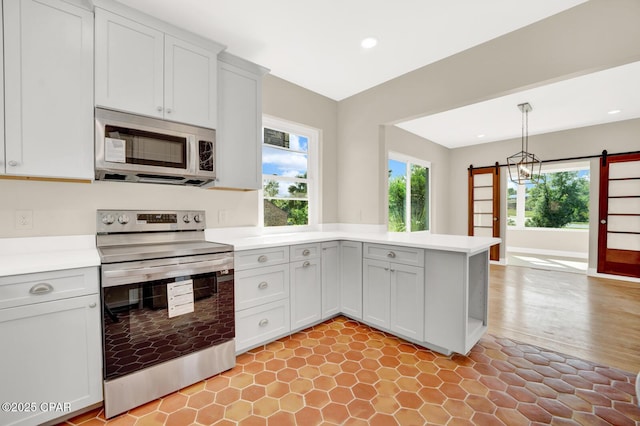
(117, 221)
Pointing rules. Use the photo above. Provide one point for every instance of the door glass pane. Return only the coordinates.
(623, 223)
(482, 193)
(623, 241)
(482, 232)
(483, 219)
(624, 169)
(397, 195)
(624, 205)
(622, 188)
(483, 206)
(419, 198)
(483, 179)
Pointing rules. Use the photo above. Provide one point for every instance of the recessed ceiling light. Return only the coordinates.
(614, 111)
(369, 42)
(480, 136)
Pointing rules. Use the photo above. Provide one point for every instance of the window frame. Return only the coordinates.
(312, 180)
(521, 195)
(409, 160)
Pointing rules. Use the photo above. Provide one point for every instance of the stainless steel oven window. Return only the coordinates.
(138, 332)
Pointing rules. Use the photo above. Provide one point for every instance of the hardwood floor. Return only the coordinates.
(591, 318)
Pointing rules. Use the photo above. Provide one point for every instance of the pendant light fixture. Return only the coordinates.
(524, 167)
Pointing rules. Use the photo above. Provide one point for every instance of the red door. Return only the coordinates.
(619, 228)
(484, 205)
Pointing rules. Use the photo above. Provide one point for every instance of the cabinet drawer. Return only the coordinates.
(304, 251)
(261, 285)
(19, 290)
(262, 324)
(262, 257)
(397, 254)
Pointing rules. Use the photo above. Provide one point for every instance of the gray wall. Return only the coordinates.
(592, 36)
(290, 102)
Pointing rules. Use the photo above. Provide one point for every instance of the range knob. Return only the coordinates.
(108, 219)
(186, 218)
(198, 218)
(123, 219)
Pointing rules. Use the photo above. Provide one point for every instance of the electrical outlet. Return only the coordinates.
(222, 217)
(24, 219)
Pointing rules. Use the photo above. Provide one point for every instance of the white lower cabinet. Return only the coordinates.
(376, 293)
(261, 296)
(351, 279)
(306, 286)
(393, 292)
(407, 301)
(261, 324)
(288, 288)
(330, 279)
(50, 326)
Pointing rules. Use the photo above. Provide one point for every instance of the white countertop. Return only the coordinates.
(40, 254)
(242, 239)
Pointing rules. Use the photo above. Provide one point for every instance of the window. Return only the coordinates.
(409, 194)
(289, 189)
(559, 200)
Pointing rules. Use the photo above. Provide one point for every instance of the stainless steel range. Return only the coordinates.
(168, 304)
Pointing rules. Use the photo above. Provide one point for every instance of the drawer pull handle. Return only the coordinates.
(263, 322)
(262, 258)
(306, 264)
(42, 288)
(92, 305)
(306, 252)
(263, 285)
(391, 254)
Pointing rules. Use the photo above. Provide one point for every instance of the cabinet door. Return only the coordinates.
(407, 301)
(129, 65)
(48, 48)
(351, 279)
(190, 83)
(55, 355)
(306, 302)
(330, 279)
(239, 151)
(2, 157)
(376, 292)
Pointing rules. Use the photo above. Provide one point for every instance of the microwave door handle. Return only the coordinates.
(140, 275)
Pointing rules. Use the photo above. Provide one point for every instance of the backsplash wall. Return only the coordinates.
(61, 208)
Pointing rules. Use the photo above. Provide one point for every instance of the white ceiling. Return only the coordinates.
(316, 44)
(578, 102)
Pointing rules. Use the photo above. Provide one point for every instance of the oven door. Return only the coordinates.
(158, 310)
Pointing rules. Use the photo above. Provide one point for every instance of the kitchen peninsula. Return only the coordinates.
(430, 289)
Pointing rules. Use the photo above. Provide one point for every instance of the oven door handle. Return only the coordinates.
(121, 276)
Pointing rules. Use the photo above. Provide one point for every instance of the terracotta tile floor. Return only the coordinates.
(344, 373)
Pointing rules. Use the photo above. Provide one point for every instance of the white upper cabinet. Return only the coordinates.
(190, 83)
(239, 133)
(48, 72)
(148, 67)
(129, 65)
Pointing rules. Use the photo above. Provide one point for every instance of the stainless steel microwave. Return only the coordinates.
(133, 148)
